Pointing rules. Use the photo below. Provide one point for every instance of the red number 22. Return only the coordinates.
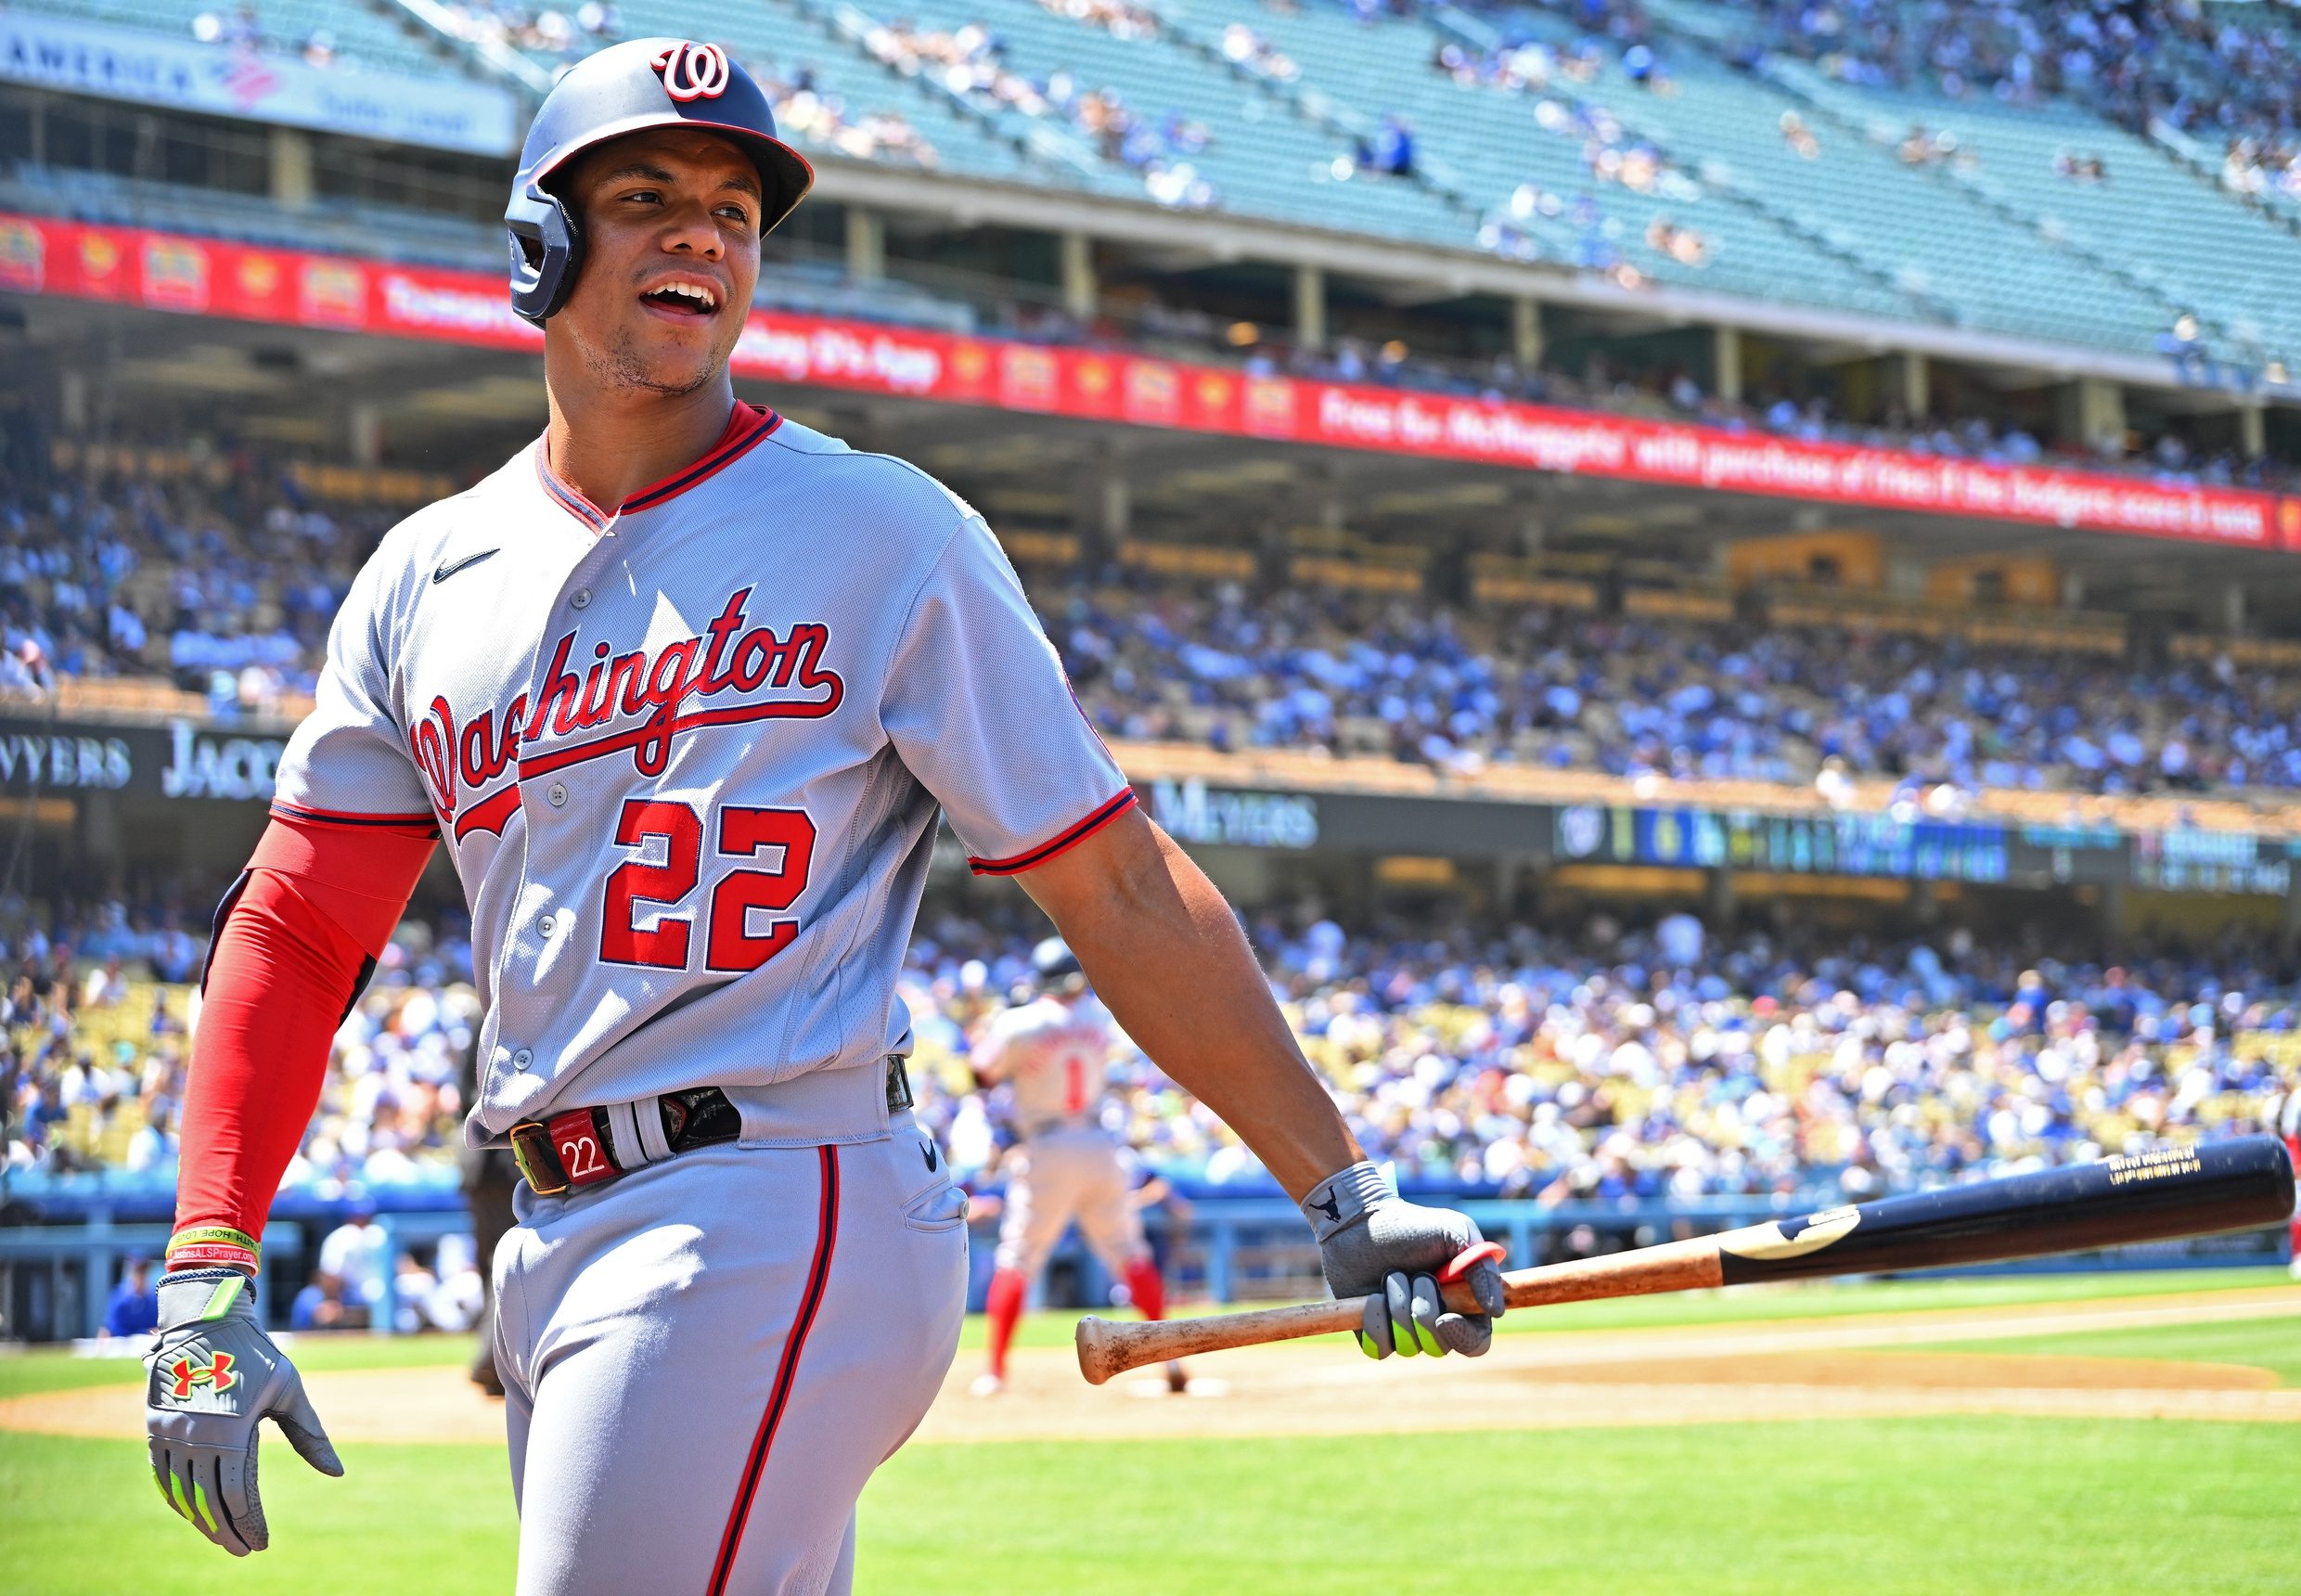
(732, 946)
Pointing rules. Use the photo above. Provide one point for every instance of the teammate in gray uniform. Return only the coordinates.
(1054, 1054)
(683, 687)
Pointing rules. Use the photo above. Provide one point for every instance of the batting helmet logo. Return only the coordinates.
(628, 88)
(692, 72)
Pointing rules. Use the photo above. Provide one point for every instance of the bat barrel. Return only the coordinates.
(2137, 1197)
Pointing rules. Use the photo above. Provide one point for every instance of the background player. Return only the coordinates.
(1054, 1054)
(684, 686)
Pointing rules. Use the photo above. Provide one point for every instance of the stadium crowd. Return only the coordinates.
(2228, 71)
(970, 61)
(225, 579)
(1612, 1062)
(1297, 669)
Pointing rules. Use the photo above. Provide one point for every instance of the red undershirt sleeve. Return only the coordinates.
(295, 940)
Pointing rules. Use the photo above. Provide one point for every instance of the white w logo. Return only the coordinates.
(692, 72)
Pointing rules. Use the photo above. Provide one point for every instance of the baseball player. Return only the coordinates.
(1055, 1053)
(680, 689)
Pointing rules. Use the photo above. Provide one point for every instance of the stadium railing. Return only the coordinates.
(1230, 1249)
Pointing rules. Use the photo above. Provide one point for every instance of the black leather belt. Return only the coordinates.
(581, 1146)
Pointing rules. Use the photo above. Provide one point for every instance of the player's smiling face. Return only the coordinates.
(671, 252)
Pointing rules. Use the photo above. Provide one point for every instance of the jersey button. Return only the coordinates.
(546, 925)
(581, 599)
(557, 794)
(523, 1059)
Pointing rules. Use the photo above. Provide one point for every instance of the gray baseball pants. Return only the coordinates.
(704, 1359)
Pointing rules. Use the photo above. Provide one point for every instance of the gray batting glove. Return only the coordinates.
(213, 1374)
(1374, 1243)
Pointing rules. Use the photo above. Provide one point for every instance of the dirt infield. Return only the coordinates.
(1789, 1368)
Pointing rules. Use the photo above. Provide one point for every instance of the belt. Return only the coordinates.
(590, 1146)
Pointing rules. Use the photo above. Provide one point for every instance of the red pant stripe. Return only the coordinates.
(818, 1275)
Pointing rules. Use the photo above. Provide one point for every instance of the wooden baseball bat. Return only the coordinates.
(2140, 1197)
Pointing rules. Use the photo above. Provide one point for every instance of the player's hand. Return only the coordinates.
(1374, 1243)
(213, 1374)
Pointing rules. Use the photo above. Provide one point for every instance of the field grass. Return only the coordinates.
(1885, 1508)
(48, 1369)
(1882, 1506)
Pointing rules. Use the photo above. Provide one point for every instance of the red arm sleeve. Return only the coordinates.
(293, 944)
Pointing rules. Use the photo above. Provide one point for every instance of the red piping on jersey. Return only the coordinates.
(342, 817)
(778, 1399)
(746, 426)
(533, 765)
(490, 813)
(1118, 804)
(725, 455)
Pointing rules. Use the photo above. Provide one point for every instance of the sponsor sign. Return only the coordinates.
(181, 759)
(2212, 862)
(204, 764)
(1193, 812)
(191, 761)
(218, 79)
(1812, 844)
(38, 255)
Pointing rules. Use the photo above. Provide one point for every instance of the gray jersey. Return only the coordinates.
(686, 755)
(1055, 1058)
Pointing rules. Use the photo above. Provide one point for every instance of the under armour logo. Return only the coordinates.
(217, 1373)
(692, 72)
(1330, 1206)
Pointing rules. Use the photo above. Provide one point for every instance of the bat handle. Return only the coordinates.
(1106, 1349)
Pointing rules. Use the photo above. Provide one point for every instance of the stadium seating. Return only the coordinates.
(359, 34)
(1965, 263)
(1491, 142)
(1991, 239)
(1353, 655)
(788, 44)
(1262, 154)
(1667, 1060)
(387, 232)
(2142, 222)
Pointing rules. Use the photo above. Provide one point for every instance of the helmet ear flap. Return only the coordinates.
(546, 247)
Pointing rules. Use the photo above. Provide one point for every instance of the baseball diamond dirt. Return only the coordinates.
(1847, 1367)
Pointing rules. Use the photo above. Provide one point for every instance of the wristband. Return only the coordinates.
(1342, 1198)
(209, 1246)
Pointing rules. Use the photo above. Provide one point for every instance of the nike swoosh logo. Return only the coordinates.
(450, 567)
(926, 1149)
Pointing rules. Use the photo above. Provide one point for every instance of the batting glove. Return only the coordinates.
(213, 1374)
(1374, 1243)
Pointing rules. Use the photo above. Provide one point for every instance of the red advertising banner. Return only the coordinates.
(211, 277)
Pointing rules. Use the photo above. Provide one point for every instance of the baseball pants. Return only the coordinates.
(1063, 1175)
(704, 1359)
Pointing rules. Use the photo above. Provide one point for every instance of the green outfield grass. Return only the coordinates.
(46, 1369)
(1887, 1508)
(1883, 1507)
(1951, 1505)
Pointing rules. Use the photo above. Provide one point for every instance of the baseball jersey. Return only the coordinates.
(1055, 1058)
(686, 754)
